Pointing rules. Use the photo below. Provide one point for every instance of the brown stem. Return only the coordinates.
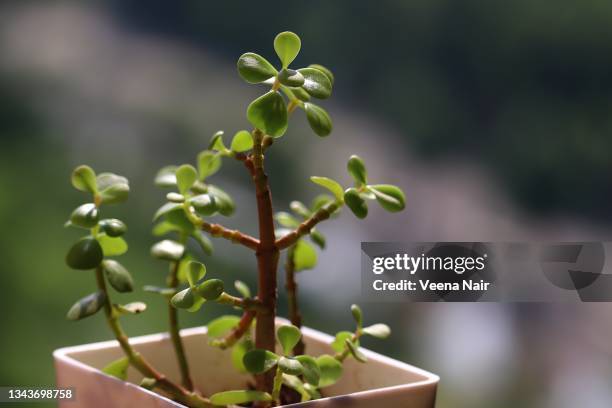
(177, 342)
(218, 230)
(237, 332)
(291, 285)
(138, 361)
(304, 228)
(267, 260)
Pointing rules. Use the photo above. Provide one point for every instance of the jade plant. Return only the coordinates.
(276, 356)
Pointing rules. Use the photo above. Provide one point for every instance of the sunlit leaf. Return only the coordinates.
(168, 250)
(216, 142)
(286, 220)
(84, 179)
(311, 370)
(288, 336)
(304, 256)
(113, 188)
(339, 341)
(204, 204)
(254, 68)
(118, 368)
(209, 163)
(195, 272)
(238, 352)
(356, 203)
(331, 185)
(221, 325)
(300, 209)
(186, 176)
(331, 370)
(166, 177)
(291, 78)
(290, 365)
(183, 299)
(355, 352)
(239, 397)
(86, 306)
(85, 216)
(379, 330)
(242, 141)
(390, 197)
(316, 83)
(167, 292)
(242, 288)
(287, 46)
(132, 308)
(318, 119)
(113, 227)
(324, 70)
(225, 203)
(356, 168)
(269, 114)
(210, 289)
(118, 276)
(112, 246)
(357, 315)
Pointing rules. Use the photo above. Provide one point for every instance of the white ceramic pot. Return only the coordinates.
(381, 382)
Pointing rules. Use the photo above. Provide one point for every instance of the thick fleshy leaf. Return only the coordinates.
(106, 180)
(178, 218)
(195, 272)
(167, 292)
(175, 197)
(379, 330)
(118, 276)
(85, 216)
(118, 368)
(113, 188)
(331, 370)
(216, 142)
(148, 383)
(168, 250)
(318, 119)
(210, 289)
(356, 203)
(357, 315)
(85, 254)
(286, 220)
(317, 238)
(296, 384)
(291, 78)
(316, 83)
(204, 242)
(221, 325)
(184, 299)
(239, 397)
(304, 256)
(238, 352)
(300, 209)
(320, 201)
(356, 168)
(166, 177)
(186, 176)
(131, 308)
(287, 46)
(338, 343)
(243, 289)
(355, 352)
(254, 68)
(242, 141)
(165, 209)
(112, 246)
(259, 361)
(390, 197)
(209, 163)
(113, 227)
(311, 370)
(269, 114)
(290, 365)
(288, 336)
(331, 185)
(324, 70)
(86, 306)
(301, 94)
(225, 203)
(84, 179)
(204, 204)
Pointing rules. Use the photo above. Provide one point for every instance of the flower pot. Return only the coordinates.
(381, 382)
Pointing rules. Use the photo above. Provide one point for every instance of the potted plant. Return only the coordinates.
(255, 358)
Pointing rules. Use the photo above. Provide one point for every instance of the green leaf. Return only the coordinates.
(131, 308)
(291, 78)
(311, 370)
(301, 94)
(357, 315)
(324, 70)
(112, 246)
(167, 292)
(355, 352)
(195, 272)
(379, 330)
(186, 176)
(113, 188)
(286, 220)
(239, 397)
(296, 384)
(86, 306)
(318, 119)
(178, 218)
(166, 208)
(338, 343)
(168, 250)
(243, 289)
(288, 336)
(204, 242)
(221, 325)
(304, 256)
(118, 276)
(300, 209)
(216, 142)
(331, 370)
(331, 185)
(390, 197)
(287, 46)
(197, 304)
(225, 204)
(269, 114)
(166, 177)
(238, 352)
(356, 203)
(84, 179)
(321, 201)
(316, 83)
(113, 227)
(106, 180)
(242, 141)
(291, 366)
(85, 254)
(175, 197)
(204, 204)
(184, 299)
(208, 164)
(118, 368)
(254, 68)
(210, 289)
(317, 238)
(259, 361)
(356, 168)
(148, 383)
(85, 216)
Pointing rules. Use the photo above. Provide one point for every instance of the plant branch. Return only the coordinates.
(218, 230)
(292, 301)
(305, 227)
(243, 303)
(138, 361)
(237, 332)
(341, 356)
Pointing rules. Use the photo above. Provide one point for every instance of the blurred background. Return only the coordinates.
(493, 116)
